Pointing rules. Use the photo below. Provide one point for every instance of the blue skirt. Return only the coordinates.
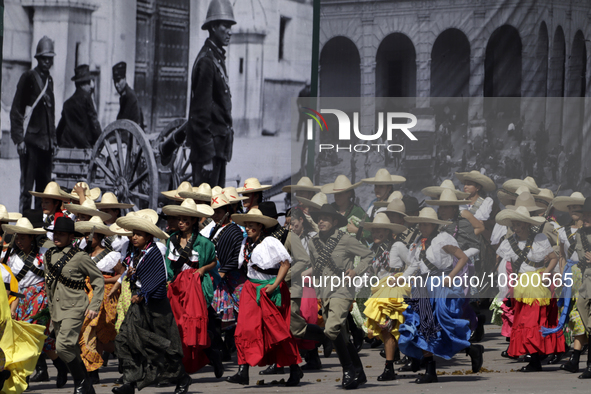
(443, 332)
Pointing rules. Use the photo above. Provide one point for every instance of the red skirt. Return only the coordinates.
(190, 312)
(526, 337)
(309, 311)
(262, 333)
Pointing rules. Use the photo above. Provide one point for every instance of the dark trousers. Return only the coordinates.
(36, 167)
(216, 177)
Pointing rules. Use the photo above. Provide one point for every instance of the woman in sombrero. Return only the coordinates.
(303, 189)
(99, 334)
(26, 263)
(191, 262)
(385, 306)
(141, 355)
(383, 187)
(109, 204)
(5, 218)
(531, 257)
(263, 335)
(254, 191)
(433, 321)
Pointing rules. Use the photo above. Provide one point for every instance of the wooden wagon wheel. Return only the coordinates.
(123, 162)
(178, 163)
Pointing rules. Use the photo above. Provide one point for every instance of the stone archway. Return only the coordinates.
(396, 69)
(340, 72)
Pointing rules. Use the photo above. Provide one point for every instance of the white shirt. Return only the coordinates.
(539, 250)
(5, 274)
(16, 264)
(207, 229)
(566, 241)
(435, 254)
(398, 259)
(483, 212)
(108, 262)
(498, 233)
(267, 255)
(174, 255)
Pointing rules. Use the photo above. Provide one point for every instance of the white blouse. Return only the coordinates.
(118, 242)
(16, 264)
(174, 255)
(398, 259)
(484, 210)
(435, 253)
(498, 233)
(566, 241)
(267, 255)
(108, 262)
(539, 250)
(5, 274)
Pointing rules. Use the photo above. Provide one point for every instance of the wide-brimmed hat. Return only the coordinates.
(95, 223)
(109, 200)
(303, 185)
(118, 230)
(252, 185)
(189, 208)
(269, 208)
(586, 206)
(381, 221)
(201, 193)
(512, 185)
(448, 198)
(561, 203)
(330, 210)
(232, 194)
(544, 197)
(65, 225)
(52, 190)
(35, 216)
(147, 213)
(411, 204)
(383, 177)
(340, 185)
(22, 226)
(174, 195)
(521, 214)
(507, 198)
(218, 190)
(475, 176)
(427, 215)
(219, 200)
(92, 194)
(82, 73)
(396, 206)
(317, 201)
(6, 216)
(254, 215)
(525, 199)
(447, 184)
(394, 195)
(88, 207)
(143, 223)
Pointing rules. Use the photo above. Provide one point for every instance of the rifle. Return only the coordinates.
(218, 225)
(88, 248)
(9, 250)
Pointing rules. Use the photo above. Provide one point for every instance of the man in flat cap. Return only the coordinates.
(79, 126)
(32, 124)
(129, 106)
(209, 129)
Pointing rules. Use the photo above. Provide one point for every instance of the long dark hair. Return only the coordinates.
(297, 213)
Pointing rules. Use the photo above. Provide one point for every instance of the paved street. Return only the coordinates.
(499, 376)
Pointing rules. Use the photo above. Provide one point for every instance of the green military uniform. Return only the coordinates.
(300, 262)
(67, 297)
(336, 303)
(584, 300)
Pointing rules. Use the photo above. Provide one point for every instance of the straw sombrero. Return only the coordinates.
(87, 208)
(396, 206)
(448, 198)
(117, 230)
(92, 194)
(109, 200)
(512, 185)
(201, 193)
(383, 177)
(506, 197)
(22, 226)
(475, 176)
(252, 185)
(317, 201)
(188, 208)
(521, 214)
(6, 216)
(544, 197)
(174, 195)
(218, 190)
(254, 215)
(232, 194)
(95, 223)
(331, 211)
(52, 190)
(394, 195)
(303, 185)
(381, 221)
(139, 222)
(148, 213)
(561, 203)
(435, 191)
(525, 199)
(427, 215)
(340, 185)
(219, 200)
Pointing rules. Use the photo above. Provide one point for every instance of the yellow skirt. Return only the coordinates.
(530, 288)
(386, 303)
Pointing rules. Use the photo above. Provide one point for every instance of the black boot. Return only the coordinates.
(215, 359)
(359, 372)
(478, 333)
(402, 361)
(62, 373)
(182, 387)
(430, 375)
(572, 365)
(388, 373)
(295, 374)
(475, 352)
(241, 377)
(412, 365)
(587, 372)
(82, 384)
(272, 369)
(106, 356)
(40, 374)
(313, 362)
(349, 380)
(397, 354)
(535, 365)
(555, 358)
(126, 388)
(94, 377)
(383, 353)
